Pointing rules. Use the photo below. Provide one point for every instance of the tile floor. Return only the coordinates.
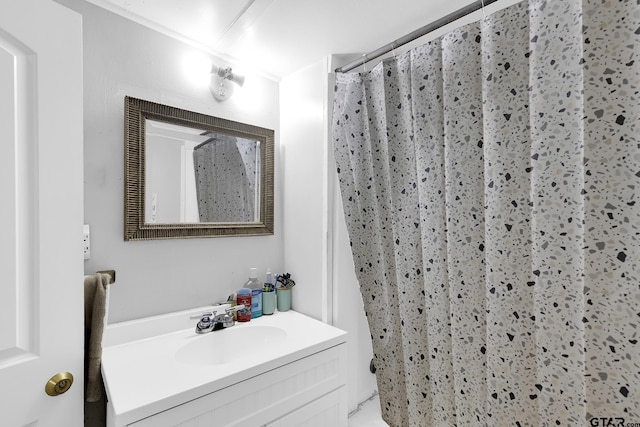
(368, 415)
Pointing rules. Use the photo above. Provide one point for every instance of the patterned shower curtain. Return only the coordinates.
(225, 174)
(490, 182)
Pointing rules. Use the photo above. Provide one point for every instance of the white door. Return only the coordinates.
(41, 212)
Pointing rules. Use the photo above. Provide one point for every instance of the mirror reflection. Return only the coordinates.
(195, 175)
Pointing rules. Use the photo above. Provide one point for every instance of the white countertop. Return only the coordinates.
(143, 377)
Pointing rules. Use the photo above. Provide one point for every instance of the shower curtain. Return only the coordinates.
(490, 181)
(225, 174)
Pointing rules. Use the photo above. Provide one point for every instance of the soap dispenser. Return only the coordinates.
(256, 293)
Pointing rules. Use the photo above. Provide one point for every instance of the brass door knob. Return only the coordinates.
(59, 383)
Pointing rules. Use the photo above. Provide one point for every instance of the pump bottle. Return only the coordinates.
(256, 293)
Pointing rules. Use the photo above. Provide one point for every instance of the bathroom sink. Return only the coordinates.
(228, 345)
(154, 365)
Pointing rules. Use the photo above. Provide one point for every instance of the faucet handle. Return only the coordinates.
(203, 315)
(235, 308)
(206, 323)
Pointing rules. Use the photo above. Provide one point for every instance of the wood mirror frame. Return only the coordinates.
(136, 112)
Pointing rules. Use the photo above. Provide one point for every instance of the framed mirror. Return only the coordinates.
(192, 175)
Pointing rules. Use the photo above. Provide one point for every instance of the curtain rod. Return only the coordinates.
(454, 16)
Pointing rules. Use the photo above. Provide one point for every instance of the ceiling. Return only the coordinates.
(278, 37)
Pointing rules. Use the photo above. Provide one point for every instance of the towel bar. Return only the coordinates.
(111, 273)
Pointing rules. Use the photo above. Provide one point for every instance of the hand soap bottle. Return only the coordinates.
(256, 293)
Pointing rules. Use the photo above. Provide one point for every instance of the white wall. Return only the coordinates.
(304, 157)
(163, 182)
(124, 58)
(316, 243)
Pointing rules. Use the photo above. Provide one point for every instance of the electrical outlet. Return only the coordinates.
(86, 241)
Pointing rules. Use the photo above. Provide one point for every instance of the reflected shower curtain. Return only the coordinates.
(225, 172)
(490, 181)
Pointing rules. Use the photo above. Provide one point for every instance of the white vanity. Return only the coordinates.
(286, 369)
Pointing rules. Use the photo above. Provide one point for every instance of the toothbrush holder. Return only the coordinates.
(284, 299)
(268, 302)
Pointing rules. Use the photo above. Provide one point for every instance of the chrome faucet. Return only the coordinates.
(211, 321)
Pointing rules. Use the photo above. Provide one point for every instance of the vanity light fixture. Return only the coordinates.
(220, 83)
